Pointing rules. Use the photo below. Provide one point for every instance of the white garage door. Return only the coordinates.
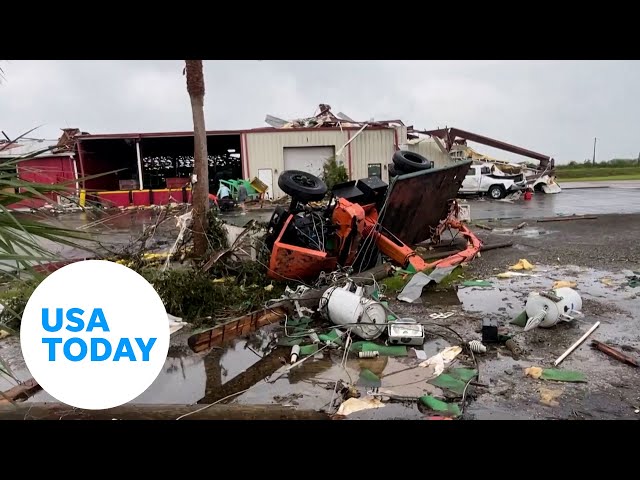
(307, 159)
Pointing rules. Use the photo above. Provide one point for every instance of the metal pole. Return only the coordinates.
(141, 187)
(594, 151)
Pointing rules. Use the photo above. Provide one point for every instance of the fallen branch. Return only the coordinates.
(612, 352)
(564, 219)
(236, 245)
(57, 411)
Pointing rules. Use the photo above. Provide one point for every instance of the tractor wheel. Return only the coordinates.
(302, 186)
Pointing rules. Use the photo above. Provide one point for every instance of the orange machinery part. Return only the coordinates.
(300, 262)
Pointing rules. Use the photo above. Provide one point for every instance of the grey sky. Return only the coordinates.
(553, 107)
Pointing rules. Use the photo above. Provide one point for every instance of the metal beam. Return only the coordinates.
(450, 134)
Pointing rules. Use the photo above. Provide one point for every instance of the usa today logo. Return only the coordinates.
(94, 334)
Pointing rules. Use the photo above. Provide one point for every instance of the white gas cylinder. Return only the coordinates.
(367, 318)
(547, 309)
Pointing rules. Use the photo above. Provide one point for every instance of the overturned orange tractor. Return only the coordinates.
(366, 220)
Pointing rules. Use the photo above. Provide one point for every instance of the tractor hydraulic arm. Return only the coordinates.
(404, 255)
(394, 248)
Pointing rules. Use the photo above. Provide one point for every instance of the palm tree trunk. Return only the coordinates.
(200, 193)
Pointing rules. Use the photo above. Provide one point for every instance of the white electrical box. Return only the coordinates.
(405, 331)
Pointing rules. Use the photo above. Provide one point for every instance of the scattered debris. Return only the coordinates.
(353, 405)
(441, 316)
(633, 281)
(365, 317)
(295, 353)
(555, 375)
(413, 290)
(549, 396)
(440, 406)
(476, 346)
(21, 391)
(522, 264)
(456, 380)
(520, 225)
(513, 347)
(440, 360)
(576, 345)
(484, 227)
(175, 324)
(368, 378)
(405, 331)
(514, 274)
(546, 309)
(607, 281)
(564, 284)
(490, 330)
(622, 357)
(477, 283)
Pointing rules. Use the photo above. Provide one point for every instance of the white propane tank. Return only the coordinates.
(347, 308)
(546, 309)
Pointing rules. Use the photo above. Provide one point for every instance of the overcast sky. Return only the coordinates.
(552, 107)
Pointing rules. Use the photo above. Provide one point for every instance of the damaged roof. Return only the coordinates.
(326, 119)
(22, 146)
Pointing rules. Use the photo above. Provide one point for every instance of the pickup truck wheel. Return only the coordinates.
(496, 192)
(410, 162)
(302, 186)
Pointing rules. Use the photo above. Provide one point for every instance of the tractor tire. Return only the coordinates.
(393, 172)
(409, 162)
(302, 186)
(496, 192)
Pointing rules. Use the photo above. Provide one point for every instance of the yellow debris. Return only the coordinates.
(607, 281)
(269, 287)
(564, 283)
(523, 264)
(548, 396)
(535, 372)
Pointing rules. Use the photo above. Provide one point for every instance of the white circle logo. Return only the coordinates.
(95, 334)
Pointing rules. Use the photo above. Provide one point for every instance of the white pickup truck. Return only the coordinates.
(488, 180)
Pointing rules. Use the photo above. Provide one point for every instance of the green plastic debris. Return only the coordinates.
(369, 379)
(440, 406)
(332, 336)
(307, 350)
(298, 322)
(455, 381)
(384, 350)
(520, 320)
(556, 375)
(289, 342)
(477, 283)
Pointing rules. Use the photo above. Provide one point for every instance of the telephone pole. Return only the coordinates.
(594, 151)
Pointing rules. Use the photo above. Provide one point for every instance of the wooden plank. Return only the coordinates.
(612, 352)
(221, 335)
(57, 411)
(20, 392)
(566, 219)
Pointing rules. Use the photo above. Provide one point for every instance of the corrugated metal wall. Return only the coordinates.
(265, 150)
(430, 150)
(375, 146)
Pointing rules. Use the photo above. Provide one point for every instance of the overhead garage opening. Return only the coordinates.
(108, 155)
(308, 159)
(167, 159)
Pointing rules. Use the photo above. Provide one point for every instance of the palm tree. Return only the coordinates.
(195, 87)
